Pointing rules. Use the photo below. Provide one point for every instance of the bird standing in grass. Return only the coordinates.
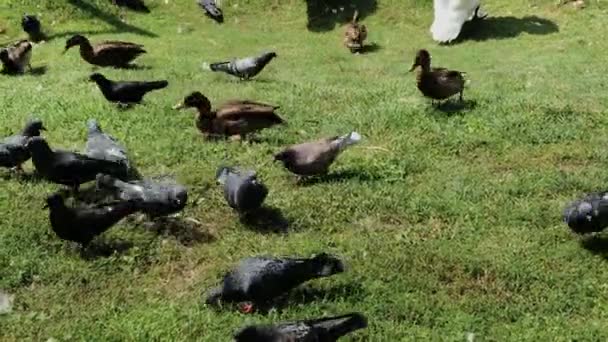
(82, 225)
(116, 54)
(355, 34)
(315, 157)
(242, 190)
(589, 214)
(326, 329)
(244, 68)
(125, 92)
(259, 280)
(104, 146)
(16, 58)
(69, 168)
(212, 10)
(31, 25)
(437, 83)
(13, 149)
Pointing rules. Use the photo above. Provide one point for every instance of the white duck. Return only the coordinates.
(450, 15)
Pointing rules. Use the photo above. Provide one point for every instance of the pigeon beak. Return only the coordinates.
(179, 106)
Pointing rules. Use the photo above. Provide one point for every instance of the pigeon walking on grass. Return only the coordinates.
(212, 10)
(589, 214)
(244, 68)
(242, 190)
(104, 146)
(69, 168)
(156, 199)
(259, 280)
(13, 149)
(315, 158)
(82, 225)
(125, 92)
(326, 329)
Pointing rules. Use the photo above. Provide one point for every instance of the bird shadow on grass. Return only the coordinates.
(265, 220)
(506, 27)
(340, 176)
(452, 107)
(100, 248)
(110, 18)
(370, 48)
(324, 15)
(596, 244)
(186, 231)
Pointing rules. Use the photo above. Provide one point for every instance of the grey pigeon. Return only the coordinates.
(211, 10)
(69, 168)
(244, 68)
(13, 149)
(242, 190)
(589, 214)
(155, 199)
(82, 225)
(315, 158)
(125, 92)
(262, 279)
(104, 146)
(327, 329)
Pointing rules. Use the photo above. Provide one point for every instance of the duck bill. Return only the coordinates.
(413, 67)
(65, 50)
(179, 106)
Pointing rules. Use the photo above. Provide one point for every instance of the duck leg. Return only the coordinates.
(460, 97)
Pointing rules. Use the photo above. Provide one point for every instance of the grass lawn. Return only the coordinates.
(450, 223)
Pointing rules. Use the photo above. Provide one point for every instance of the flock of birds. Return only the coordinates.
(257, 282)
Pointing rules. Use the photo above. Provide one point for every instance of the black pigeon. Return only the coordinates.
(134, 5)
(13, 149)
(327, 329)
(156, 199)
(244, 68)
(262, 279)
(104, 146)
(69, 168)
(211, 10)
(242, 190)
(125, 92)
(589, 214)
(31, 25)
(82, 225)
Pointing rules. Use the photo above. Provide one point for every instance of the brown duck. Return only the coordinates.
(233, 118)
(437, 83)
(108, 53)
(16, 58)
(355, 34)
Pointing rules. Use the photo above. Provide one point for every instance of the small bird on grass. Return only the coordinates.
(242, 190)
(259, 280)
(69, 168)
(82, 225)
(16, 58)
(588, 214)
(156, 199)
(31, 25)
(13, 149)
(315, 157)
(212, 10)
(101, 145)
(244, 68)
(437, 83)
(326, 329)
(125, 92)
(355, 34)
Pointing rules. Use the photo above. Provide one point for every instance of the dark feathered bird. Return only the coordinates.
(588, 214)
(13, 149)
(326, 329)
(82, 225)
(315, 157)
(155, 199)
(437, 83)
(16, 58)
(211, 10)
(236, 117)
(134, 5)
(31, 25)
(244, 68)
(125, 92)
(242, 190)
(69, 168)
(104, 146)
(262, 279)
(107, 53)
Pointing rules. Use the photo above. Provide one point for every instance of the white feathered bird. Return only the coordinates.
(450, 15)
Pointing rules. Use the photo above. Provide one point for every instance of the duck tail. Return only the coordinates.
(347, 140)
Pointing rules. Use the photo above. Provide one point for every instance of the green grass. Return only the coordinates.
(450, 225)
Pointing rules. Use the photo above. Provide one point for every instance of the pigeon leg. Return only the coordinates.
(460, 97)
